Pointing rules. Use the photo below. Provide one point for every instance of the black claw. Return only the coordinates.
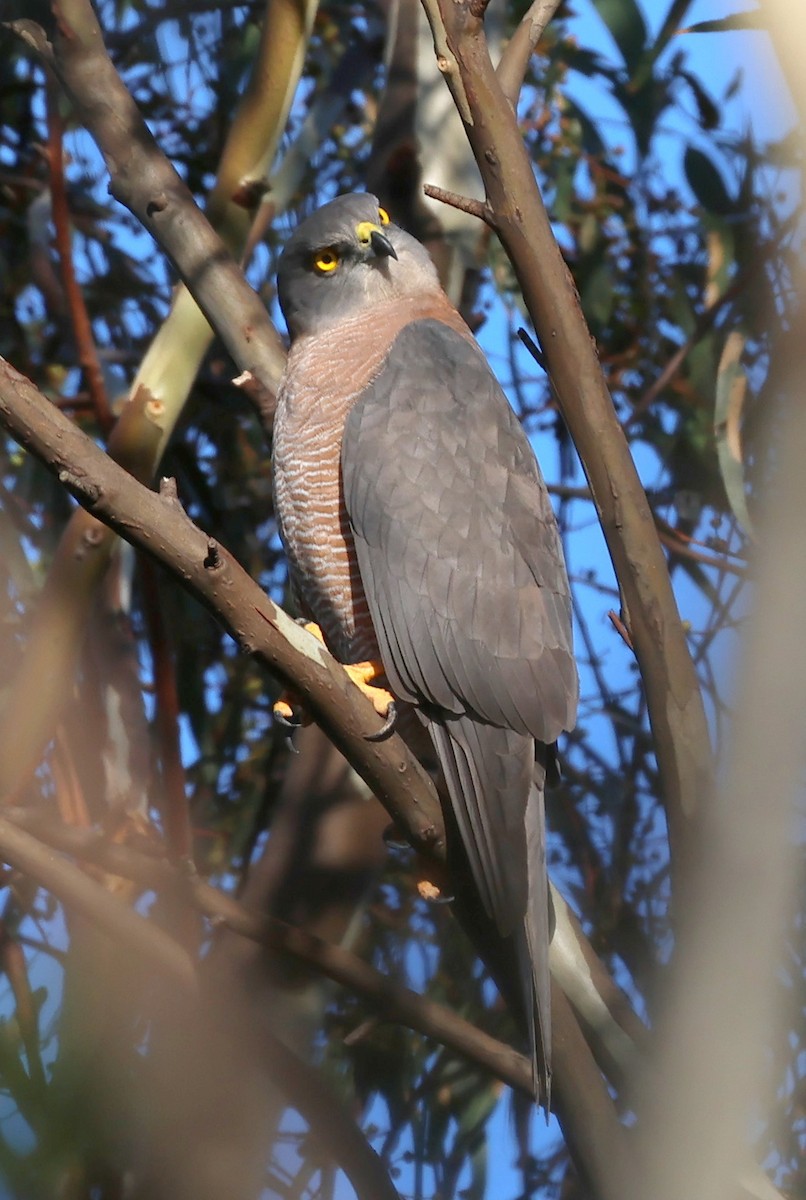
(387, 727)
(394, 838)
(284, 721)
(292, 727)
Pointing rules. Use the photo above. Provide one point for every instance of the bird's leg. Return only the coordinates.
(363, 675)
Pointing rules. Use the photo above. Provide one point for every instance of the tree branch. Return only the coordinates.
(512, 66)
(77, 56)
(80, 318)
(83, 895)
(157, 524)
(675, 705)
(579, 1086)
(143, 179)
(304, 1088)
(392, 1001)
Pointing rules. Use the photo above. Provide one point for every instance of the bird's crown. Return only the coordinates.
(345, 259)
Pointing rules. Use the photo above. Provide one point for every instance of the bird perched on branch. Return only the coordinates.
(420, 538)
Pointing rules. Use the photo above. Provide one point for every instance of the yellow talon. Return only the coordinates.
(362, 675)
(286, 708)
(312, 627)
(281, 708)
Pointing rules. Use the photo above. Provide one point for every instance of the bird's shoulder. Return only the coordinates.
(437, 398)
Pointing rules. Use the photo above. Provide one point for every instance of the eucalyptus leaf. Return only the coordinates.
(731, 392)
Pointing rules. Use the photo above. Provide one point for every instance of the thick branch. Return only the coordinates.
(149, 186)
(158, 524)
(613, 1031)
(514, 61)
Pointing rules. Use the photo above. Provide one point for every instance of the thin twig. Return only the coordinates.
(13, 962)
(705, 322)
(682, 545)
(533, 348)
(621, 628)
(474, 208)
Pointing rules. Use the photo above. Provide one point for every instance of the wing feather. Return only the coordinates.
(457, 545)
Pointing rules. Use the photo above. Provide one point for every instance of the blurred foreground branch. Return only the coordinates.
(158, 524)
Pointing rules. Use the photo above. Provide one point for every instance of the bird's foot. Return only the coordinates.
(433, 883)
(288, 712)
(287, 709)
(363, 675)
(312, 627)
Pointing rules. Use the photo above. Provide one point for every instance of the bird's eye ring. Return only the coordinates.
(384, 215)
(326, 261)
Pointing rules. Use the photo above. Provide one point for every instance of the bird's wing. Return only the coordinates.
(457, 544)
(462, 567)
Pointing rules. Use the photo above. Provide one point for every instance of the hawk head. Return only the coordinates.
(345, 260)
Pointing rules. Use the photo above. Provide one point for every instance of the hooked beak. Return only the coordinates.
(381, 245)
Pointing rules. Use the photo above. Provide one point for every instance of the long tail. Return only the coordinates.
(496, 793)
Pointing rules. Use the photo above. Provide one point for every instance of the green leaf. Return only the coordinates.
(707, 183)
(597, 295)
(751, 18)
(626, 23)
(709, 113)
(731, 389)
(677, 10)
(592, 141)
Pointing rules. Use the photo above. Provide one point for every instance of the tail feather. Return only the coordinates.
(534, 958)
(496, 794)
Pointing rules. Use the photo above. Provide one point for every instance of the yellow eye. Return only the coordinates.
(384, 215)
(326, 261)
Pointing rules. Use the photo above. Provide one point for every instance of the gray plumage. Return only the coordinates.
(451, 546)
